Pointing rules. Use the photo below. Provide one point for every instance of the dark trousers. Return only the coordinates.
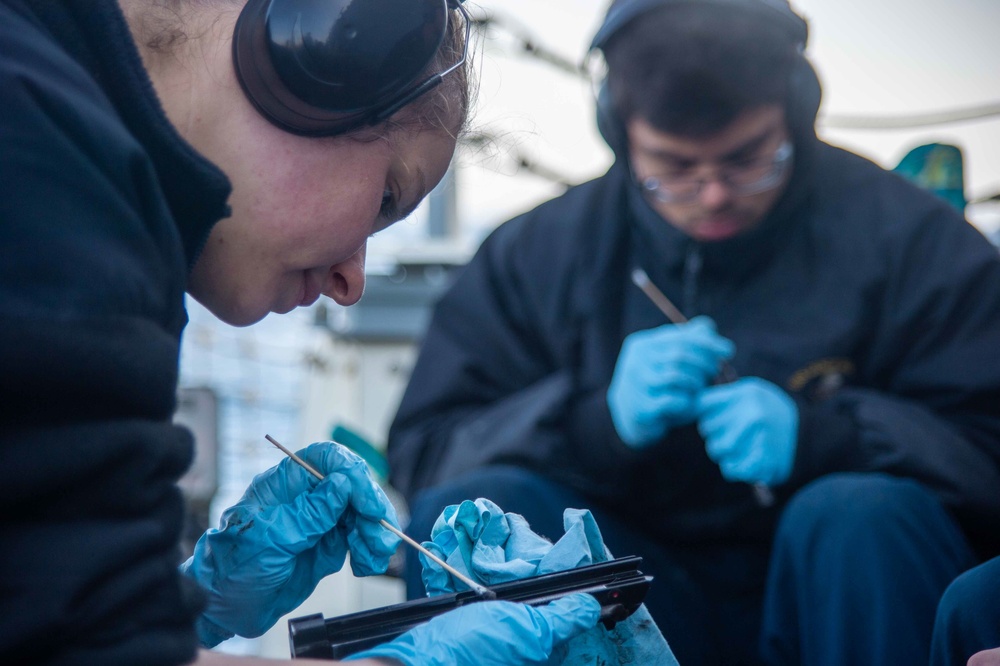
(857, 567)
(968, 617)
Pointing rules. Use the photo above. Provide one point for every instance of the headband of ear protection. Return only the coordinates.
(804, 88)
(326, 67)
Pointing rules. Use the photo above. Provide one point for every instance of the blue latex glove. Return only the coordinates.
(750, 429)
(287, 532)
(658, 376)
(492, 633)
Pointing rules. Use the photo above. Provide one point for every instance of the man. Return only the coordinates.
(807, 463)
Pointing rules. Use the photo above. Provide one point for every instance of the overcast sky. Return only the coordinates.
(874, 57)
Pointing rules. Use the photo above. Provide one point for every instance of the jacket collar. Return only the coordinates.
(96, 34)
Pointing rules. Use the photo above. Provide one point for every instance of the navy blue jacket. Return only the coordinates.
(103, 208)
(873, 303)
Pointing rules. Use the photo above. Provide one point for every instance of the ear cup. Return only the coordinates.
(805, 94)
(323, 67)
(611, 128)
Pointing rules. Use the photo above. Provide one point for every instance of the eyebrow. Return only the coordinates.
(747, 146)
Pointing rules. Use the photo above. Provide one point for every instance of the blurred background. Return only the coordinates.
(897, 75)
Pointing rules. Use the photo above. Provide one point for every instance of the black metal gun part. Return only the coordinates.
(617, 584)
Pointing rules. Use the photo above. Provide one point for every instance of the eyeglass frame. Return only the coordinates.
(781, 161)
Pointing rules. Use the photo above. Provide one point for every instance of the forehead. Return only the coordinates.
(748, 128)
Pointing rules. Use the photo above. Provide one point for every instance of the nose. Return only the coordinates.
(715, 194)
(346, 281)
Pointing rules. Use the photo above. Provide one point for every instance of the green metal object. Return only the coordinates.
(936, 167)
(371, 455)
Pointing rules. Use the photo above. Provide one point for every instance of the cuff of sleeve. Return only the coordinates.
(209, 633)
(829, 441)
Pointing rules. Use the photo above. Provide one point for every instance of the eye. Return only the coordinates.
(389, 209)
(678, 168)
(743, 161)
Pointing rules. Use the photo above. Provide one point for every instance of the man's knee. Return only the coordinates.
(514, 489)
(857, 505)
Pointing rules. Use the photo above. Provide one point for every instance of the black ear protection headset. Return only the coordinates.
(803, 89)
(326, 67)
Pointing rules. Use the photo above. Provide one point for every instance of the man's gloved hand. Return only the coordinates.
(658, 376)
(287, 532)
(751, 429)
(492, 633)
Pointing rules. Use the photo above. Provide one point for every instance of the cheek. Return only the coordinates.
(336, 217)
(314, 205)
(303, 202)
(676, 215)
(278, 171)
(762, 204)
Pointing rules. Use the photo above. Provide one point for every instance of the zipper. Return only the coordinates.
(692, 273)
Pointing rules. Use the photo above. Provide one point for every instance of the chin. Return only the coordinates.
(247, 320)
(248, 316)
(239, 315)
(717, 237)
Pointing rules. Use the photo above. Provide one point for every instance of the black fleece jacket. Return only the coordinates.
(103, 210)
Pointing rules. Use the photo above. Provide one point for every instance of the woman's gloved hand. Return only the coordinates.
(492, 633)
(658, 376)
(750, 429)
(287, 532)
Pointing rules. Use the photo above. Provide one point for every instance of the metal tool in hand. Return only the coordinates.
(480, 590)
(762, 492)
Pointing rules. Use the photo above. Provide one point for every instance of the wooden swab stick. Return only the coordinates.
(482, 591)
(641, 280)
(727, 374)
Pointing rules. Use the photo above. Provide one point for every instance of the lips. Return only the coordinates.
(312, 287)
(716, 229)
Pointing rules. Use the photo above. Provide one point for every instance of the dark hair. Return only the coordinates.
(692, 69)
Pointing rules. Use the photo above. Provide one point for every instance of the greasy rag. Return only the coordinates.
(490, 546)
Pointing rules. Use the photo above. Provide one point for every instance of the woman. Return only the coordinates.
(153, 147)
